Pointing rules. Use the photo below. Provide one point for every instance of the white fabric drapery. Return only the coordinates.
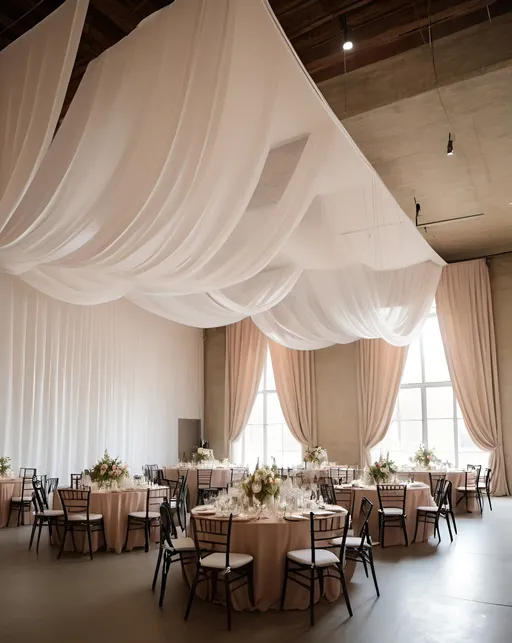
(34, 76)
(200, 173)
(76, 380)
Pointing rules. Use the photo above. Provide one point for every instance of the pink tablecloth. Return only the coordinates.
(416, 497)
(10, 487)
(220, 478)
(457, 478)
(268, 541)
(114, 507)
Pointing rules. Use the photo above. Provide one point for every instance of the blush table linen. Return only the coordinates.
(457, 478)
(268, 541)
(114, 506)
(10, 487)
(220, 478)
(416, 497)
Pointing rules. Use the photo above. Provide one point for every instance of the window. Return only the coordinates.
(266, 433)
(426, 410)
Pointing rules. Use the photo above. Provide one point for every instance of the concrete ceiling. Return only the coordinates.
(406, 141)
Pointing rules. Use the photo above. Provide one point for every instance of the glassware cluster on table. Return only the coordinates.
(128, 483)
(293, 499)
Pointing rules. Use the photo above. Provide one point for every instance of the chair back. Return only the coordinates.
(476, 469)
(365, 511)
(283, 473)
(392, 496)
(327, 492)
(75, 501)
(323, 530)
(433, 480)
(345, 498)
(76, 480)
(42, 479)
(204, 478)
(39, 496)
(167, 526)
(212, 536)
(51, 485)
(151, 472)
(27, 472)
(27, 485)
(471, 479)
(154, 498)
(237, 475)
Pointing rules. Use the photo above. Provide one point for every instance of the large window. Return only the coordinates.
(266, 433)
(426, 410)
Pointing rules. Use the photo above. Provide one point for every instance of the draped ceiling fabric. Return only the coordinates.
(200, 173)
(34, 76)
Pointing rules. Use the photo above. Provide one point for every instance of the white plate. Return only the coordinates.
(295, 518)
(335, 508)
(417, 484)
(204, 512)
(317, 513)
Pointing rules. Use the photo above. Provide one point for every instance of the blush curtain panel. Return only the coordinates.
(246, 348)
(294, 373)
(466, 320)
(132, 198)
(380, 367)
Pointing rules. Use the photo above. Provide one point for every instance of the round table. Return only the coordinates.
(268, 540)
(221, 477)
(457, 478)
(9, 487)
(416, 497)
(114, 506)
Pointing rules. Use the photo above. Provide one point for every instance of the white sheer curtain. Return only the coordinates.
(200, 173)
(76, 380)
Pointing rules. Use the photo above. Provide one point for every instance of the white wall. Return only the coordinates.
(75, 380)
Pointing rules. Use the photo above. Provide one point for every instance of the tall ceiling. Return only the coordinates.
(401, 138)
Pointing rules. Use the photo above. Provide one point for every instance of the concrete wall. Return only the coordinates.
(214, 388)
(501, 285)
(337, 402)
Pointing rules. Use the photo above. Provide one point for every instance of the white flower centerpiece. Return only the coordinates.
(425, 458)
(381, 470)
(314, 457)
(108, 472)
(5, 467)
(263, 484)
(203, 455)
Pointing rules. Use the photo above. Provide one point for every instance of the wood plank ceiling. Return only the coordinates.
(379, 28)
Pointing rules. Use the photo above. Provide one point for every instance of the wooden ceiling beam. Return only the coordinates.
(376, 34)
(349, 5)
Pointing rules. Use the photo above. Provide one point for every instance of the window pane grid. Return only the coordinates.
(426, 410)
(266, 433)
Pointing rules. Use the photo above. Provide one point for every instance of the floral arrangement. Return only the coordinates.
(5, 466)
(263, 483)
(425, 457)
(107, 470)
(381, 470)
(315, 455)
(202, 455)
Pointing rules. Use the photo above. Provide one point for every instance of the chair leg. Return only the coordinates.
(39, 536)
(404, 529)
(192, 593)
(372, 567)
(436, 527)
(32, 533)
(382, 530)
(73, 538)
(163, 582)
(312, 597)
(417, 524)
(89, 539)
(228, 600)
(345, 590)
(452, 515)
(19, 515)
(103, 534)
(489, 499)
(63, 542)
(449, 527)
(365, 566)
(157, 569)
(146, 535)
(127, 533)
(285, 583)
(321, 580)
(250, 584)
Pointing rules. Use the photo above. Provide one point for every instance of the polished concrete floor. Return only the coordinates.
(446, 594)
